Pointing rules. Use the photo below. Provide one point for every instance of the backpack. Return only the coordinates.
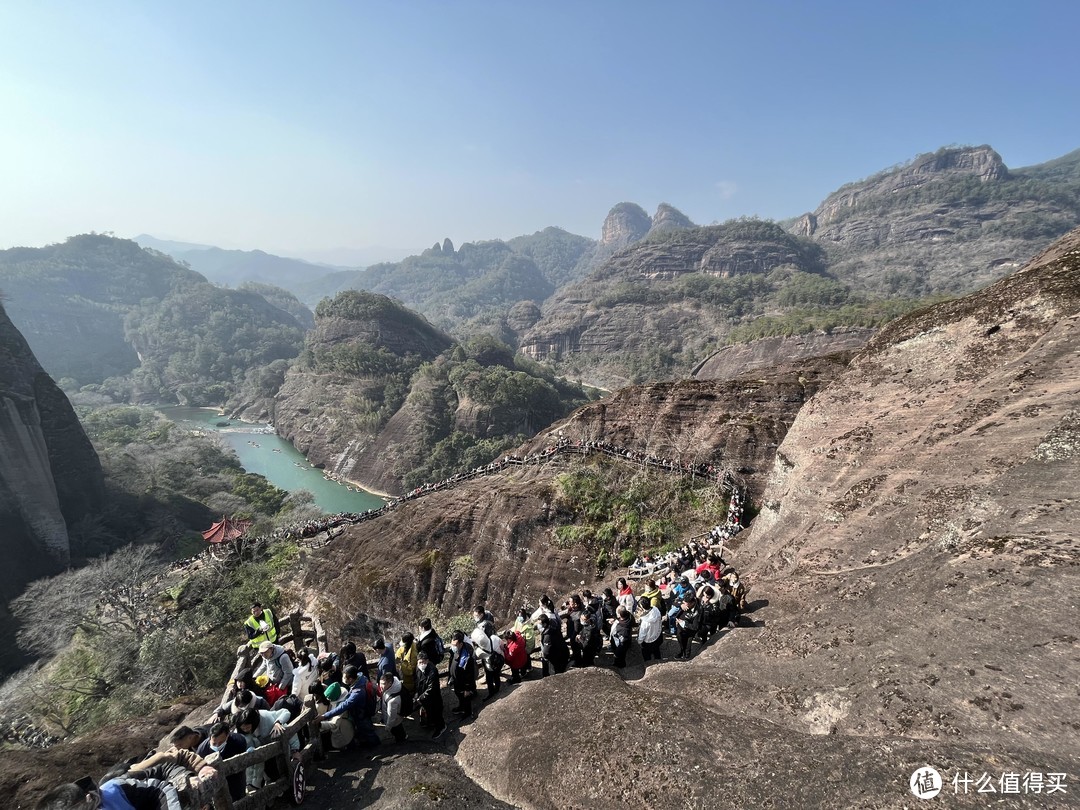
(440, 650)
(371, 698)
(495, 660)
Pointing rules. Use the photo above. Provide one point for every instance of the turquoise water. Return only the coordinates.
(271, 456)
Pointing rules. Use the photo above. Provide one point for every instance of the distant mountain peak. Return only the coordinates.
(669, 218)
(626, 223)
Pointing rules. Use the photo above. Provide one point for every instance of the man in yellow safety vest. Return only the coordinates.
(260, 626)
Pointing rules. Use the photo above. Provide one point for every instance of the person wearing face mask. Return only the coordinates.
(462, 673)
(225, 743)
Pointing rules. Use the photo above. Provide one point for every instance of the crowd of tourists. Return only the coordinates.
(363, 700)
(687, 595)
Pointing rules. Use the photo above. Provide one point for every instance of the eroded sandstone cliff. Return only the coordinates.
(914, 578)
(50, 477)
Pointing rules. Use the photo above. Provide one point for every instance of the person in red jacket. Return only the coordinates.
(516, 657)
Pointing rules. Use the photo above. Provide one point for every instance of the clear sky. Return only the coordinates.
(298, 127)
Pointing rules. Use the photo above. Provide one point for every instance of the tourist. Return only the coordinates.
(621, 630)
(276, 666)
(462, 673)
(429, 694)
(687, 625)
(649, 630)
(225, 744)
(391, 707)
(428, 641)
(405, 657)
(517, 659)
(488, 649)
(554, 654)
(350, 720)
(386, 664)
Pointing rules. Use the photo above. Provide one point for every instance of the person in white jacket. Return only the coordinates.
(649, 630)
(391, 707)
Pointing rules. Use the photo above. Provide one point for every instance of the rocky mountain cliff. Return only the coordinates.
(493, 539)
(658, 307)
(764, 353)
(914, 574)
(951, 221)
(380, 398)
(50, 477)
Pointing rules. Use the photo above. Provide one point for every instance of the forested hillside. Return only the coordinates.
(103, 312)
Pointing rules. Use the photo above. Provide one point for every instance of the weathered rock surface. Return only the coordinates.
(50, 476)
(625, 224)
(668, 218)
(952, 221)
(914, 572)
(736, 360)
(642, 312)
(735, 424)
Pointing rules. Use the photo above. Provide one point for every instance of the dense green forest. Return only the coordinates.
(102, 312)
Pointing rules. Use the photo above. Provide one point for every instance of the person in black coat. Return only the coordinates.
(225, 744)
(428, 693)
(462, 673)
(552, 646)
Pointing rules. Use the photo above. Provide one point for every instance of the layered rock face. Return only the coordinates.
(625, 224)
(50, 476)
(733, 361)
(734, 424)
(914, 578)
(652, 302)
(952, 221)
(492, 538)
(980, 162)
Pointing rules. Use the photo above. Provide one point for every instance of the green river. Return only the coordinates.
(262, 451)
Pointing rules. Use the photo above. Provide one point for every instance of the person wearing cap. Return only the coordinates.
(275, 665)
(260, 626)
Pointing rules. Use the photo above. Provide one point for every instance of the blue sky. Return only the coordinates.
(302, 127)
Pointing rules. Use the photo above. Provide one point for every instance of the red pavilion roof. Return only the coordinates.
(226, 530)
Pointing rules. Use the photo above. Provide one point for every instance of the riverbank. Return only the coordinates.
(260, 450)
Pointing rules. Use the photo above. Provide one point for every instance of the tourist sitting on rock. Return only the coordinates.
(687, 625)
(462, 673)
(429, 695)
(224, 743)
(392, 718)
(514, 650)
(649, 630)
(276, 666)
(553, 651)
